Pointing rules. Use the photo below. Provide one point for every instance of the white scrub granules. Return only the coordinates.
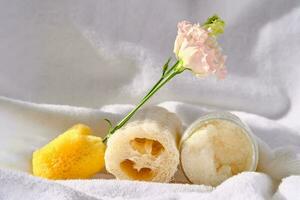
(215, 151)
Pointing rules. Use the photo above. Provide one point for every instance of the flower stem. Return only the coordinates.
(162, 78)
(173, 71)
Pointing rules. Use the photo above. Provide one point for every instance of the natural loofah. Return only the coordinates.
(146, 148)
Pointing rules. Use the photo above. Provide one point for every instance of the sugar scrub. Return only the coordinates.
(214, 149)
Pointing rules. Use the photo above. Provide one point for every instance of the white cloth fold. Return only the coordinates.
(28, 126)
(248, 185)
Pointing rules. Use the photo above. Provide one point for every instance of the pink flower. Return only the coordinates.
(199, 50)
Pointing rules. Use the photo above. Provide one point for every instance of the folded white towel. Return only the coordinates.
(288, 189)
(16, 185)
(248, 185)
(27, 126)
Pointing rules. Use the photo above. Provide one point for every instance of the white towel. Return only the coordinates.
(100, 56)
(247, 185)
(28, 126)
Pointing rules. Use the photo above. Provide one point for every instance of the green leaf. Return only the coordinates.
(166, 66)
(215, 25)
(109, 123)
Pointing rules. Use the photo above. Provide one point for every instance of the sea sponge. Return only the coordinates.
(75, 154)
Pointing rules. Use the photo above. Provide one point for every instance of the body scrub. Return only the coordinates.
(217, 147)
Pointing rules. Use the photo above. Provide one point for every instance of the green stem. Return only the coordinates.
(173, 71)
(162, 78)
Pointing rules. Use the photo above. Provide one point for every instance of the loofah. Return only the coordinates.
(146, 148)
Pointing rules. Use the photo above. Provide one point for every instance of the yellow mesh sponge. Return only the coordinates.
(74, 154)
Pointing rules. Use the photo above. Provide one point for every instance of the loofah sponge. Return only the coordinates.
(74, 154)
(145, 149)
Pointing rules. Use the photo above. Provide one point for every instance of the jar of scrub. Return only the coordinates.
(216, 147)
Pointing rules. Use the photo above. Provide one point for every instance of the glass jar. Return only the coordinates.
(200, 123)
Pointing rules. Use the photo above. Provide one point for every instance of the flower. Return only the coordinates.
(196, 47)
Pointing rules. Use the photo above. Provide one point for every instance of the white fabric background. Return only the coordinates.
(99, 54)
(52, 51)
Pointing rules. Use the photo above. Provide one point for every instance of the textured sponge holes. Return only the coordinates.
(143, 146)
(128, 166)
(147, 146)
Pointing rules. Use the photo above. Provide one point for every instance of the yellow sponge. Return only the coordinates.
(74, 154)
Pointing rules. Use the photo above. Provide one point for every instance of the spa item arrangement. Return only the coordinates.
(149, 144)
